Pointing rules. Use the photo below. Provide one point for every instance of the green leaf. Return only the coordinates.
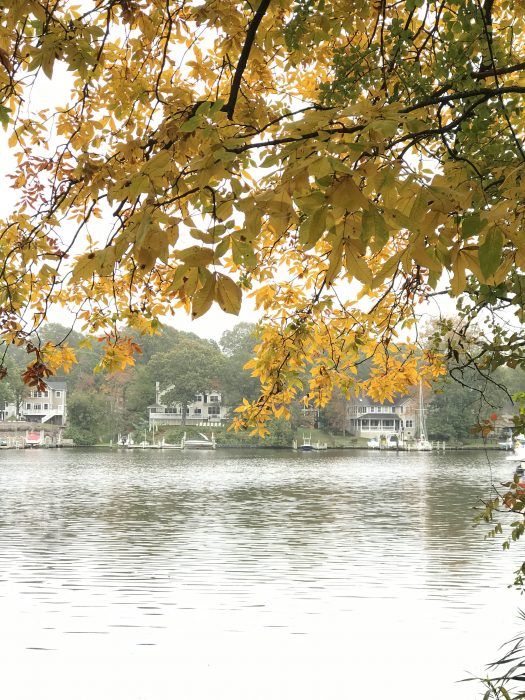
(4, 116)
(471, 225)
(243, 253)
(313, 228)
(489, 253)
(374, 228)
(192, 124)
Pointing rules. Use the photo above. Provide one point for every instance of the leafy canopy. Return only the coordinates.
(335, 159)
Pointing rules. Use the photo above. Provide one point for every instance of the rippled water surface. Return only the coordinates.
(248, 575)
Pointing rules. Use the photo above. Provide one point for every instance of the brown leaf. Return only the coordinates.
(6, 61)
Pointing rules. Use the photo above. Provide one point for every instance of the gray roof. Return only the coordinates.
(56, 384)
(365, 400)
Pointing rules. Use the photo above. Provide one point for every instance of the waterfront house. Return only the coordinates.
(368, 419)
(46, 406)
(206, 409)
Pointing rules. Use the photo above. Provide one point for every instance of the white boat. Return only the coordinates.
(518, 450)
(373, 444)
(422, 443)
(195, 444)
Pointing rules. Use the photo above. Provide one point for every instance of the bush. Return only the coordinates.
(80, 436)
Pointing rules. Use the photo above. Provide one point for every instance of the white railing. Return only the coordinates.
(379, 429)
(45, 415)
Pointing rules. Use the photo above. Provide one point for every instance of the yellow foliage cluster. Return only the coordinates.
(336, 160)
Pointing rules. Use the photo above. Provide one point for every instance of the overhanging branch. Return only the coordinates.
(229, 107)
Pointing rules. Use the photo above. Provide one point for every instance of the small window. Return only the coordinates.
(46, 407)
(408, 424)
(197, 411)
(214, 410)
(37, 407)
(198, 397)
(214, 399)
(58, 393)
(28, 406)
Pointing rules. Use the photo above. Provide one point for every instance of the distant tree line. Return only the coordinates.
(101, 406)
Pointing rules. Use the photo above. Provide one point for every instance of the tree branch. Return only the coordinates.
(229, 107)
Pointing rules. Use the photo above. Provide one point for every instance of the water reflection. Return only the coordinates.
(302, 571)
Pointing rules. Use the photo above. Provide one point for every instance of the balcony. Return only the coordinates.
(44, 415)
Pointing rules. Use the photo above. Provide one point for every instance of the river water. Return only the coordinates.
(249, 575)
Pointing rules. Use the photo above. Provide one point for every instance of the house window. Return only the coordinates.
(409, 424)
(197, 411)
(28, 406)
(46, 394)
(58, 393)
(214, 410)
(46, 407)
(372, 409)
(198, 397)
(37, 407)
(214, 399)
(388, 423)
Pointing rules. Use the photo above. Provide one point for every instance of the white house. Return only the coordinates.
(206, 409)
(47, 406)
(368, 419)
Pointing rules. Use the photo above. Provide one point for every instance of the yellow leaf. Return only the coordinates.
(356, 265)
(347, 195)
(196, 256)
(336, 260)
(203, 298)
(229, 295)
